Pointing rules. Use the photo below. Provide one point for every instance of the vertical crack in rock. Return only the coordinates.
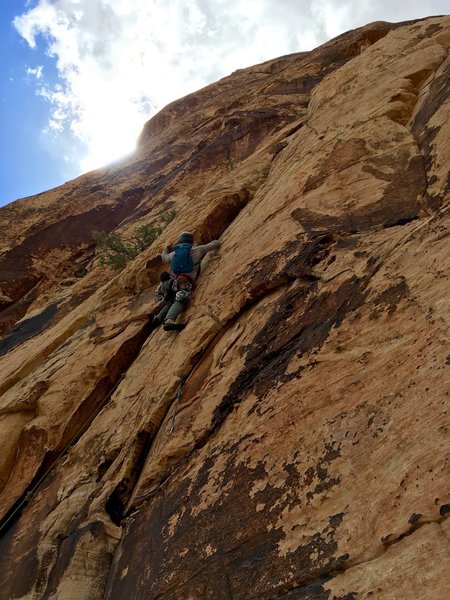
(117, 502)
(80, 421)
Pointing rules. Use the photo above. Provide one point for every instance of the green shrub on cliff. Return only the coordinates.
(115, 250)
(167, 216)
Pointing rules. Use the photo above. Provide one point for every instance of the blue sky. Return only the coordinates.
(79, 78)
(30, 161)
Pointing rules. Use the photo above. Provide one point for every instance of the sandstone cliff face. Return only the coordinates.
(309, 456)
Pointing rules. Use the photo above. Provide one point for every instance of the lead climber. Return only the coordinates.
(185, 259)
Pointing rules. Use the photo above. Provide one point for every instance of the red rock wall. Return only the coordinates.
(309, 453)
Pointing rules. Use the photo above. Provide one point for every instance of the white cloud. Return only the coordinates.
(36, 72)
(121, 60)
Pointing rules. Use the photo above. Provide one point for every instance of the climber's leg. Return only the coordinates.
(174, 311)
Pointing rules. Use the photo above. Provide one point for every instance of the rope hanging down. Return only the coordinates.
(183, 380)
(177, 399)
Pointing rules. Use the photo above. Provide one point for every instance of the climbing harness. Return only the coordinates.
(177, 399)
(182, 286)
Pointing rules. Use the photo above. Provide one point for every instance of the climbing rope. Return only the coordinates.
(177, 399)
(29, 493)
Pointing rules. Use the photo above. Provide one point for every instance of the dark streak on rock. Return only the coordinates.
(27, 329)
(17, 277)
(389, 299)
(66, 551)
(237, 564)
(299, 85)
(310, 318)
(240, 135)
(297, 259)
(398, 205)
(401, 221)
(437, 96)
(14, 543)
(344, 154)
(433, 28)
(314, 222)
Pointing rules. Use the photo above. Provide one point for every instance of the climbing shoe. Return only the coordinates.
(171, 326)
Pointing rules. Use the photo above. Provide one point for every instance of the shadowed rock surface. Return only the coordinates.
(309, 458)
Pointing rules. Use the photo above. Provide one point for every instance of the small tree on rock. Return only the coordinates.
(115, 251)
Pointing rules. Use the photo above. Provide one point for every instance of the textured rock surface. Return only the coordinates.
(310, 452)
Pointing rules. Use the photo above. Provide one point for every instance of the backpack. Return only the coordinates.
(182, 261)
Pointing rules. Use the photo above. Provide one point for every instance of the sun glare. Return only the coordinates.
(110, 132)
(107, 147)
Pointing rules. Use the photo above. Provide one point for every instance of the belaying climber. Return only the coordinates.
(185, 259)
